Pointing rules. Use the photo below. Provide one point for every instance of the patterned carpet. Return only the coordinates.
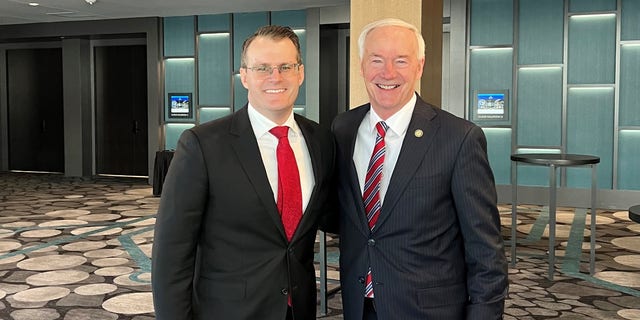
(77, 249)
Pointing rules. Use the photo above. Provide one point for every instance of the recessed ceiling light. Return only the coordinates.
(34, 4)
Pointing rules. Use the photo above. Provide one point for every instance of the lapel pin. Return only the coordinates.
(418, 133)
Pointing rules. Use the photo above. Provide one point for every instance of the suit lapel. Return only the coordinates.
(360, 218)
(414, 148)
(247, 150)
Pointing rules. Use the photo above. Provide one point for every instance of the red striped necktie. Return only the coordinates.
(371, 194)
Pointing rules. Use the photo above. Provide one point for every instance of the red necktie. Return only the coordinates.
(289, 192)
(371, 194)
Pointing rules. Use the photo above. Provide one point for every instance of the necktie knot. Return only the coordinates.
(280, 131)
(382, 128)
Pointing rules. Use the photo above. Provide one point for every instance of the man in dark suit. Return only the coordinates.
(419, 226)
(234, 239)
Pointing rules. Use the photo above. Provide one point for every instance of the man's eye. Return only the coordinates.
(262, 69)
(285, 67)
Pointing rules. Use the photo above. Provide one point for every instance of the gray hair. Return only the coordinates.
(395, 23)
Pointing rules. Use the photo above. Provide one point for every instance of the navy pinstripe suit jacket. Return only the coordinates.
(436, 251)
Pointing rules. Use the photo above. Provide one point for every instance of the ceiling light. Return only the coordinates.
(34, 4)
(90, 1)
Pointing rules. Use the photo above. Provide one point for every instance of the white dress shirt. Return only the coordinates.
(268, 143)
(398, 125)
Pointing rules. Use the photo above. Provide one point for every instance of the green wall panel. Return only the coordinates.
(208, 114)
(296, 19)
(628, 163)
(629, 85)
(591, 5)
(179, 77)
(214, 70)
(214, 23)
(630, 20)
(592, 49)
(499, 152)
(239, 93)
(539, 107)
(244, 25)
(491, 22)
(179, 36)
(530, 175)
(490, 69)
(173, 132)
(541, 26)
(590, 131)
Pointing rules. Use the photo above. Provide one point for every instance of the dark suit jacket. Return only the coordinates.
(436, 251)
(217, 201)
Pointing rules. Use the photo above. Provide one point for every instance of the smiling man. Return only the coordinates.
(419, 225)
(242, 200)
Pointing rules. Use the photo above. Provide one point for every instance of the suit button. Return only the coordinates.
(361, 279)
(284, 291)
(371, 243)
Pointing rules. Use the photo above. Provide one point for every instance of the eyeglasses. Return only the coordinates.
(284, 69)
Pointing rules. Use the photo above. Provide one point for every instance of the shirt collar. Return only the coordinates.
(399, 122)
(261, 124)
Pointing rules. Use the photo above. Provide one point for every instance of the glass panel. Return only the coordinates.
(592, 49)
(499, 152)
(540, 106)
(541, 32)
(208, 114)
(630, 21)
(179, 78)
(296, 19)
(590, 131)
(214, 23)
(591, 5)
(173, 132)
(179, 36)
(628, 155)
(490, 69)
(629, 84)
(491, 22)
(214, 69)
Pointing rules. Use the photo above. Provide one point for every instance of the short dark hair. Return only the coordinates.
(273, 32)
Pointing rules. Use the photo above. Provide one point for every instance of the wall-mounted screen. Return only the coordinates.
(490, 105)
(180, 105)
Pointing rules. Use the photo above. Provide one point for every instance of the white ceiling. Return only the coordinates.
(20, 12)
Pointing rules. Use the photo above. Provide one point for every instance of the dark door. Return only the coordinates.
(334, 71)
(121, 110)
(36, 127)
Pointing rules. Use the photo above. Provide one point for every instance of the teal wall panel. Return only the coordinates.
(244, 25)
(499, 152)
(296, 19)
(214, 69)
(173, 132)
(214, 23)
(630, 20)
(492, 22)
(591, 5)
(179, 36)
(540, 107)
(208, 114)
(529, 175)
(540, 39)
(239, 93)
(629, 83)
(628, 160)
(491, 69)
(590, 131)
(179, 77)
(592, 49)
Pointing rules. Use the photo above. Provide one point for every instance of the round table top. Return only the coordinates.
(634, 213)
(557, 159)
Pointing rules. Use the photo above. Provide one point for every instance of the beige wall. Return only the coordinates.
(365, 11)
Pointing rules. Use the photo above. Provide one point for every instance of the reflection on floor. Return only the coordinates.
(74, 249)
